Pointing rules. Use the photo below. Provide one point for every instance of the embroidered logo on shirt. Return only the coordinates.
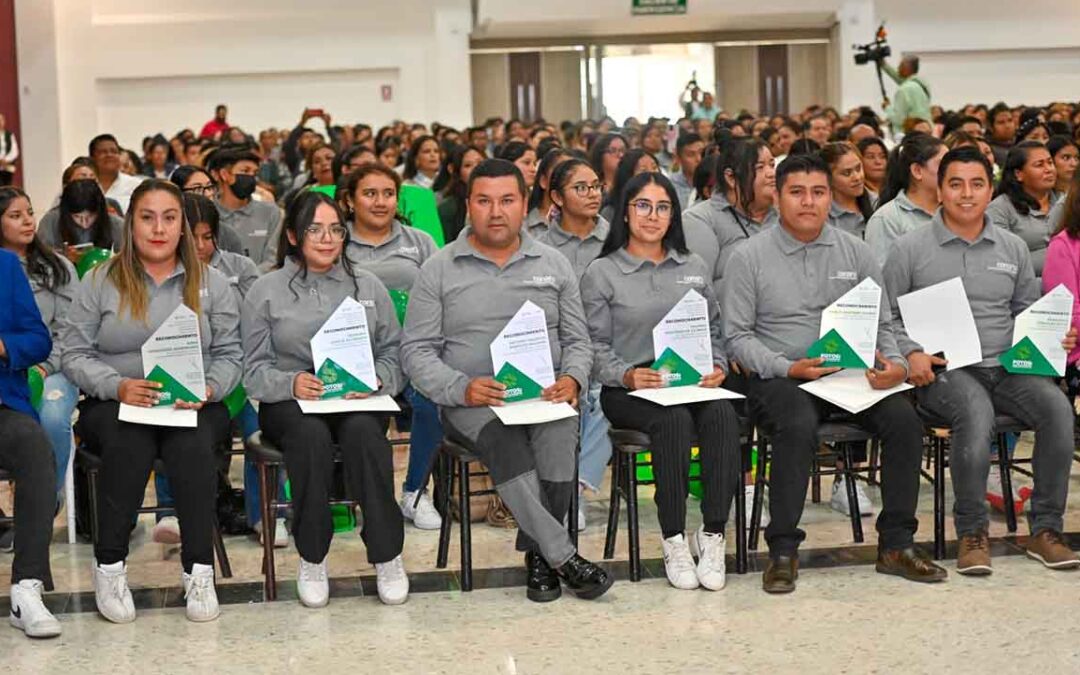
(409, 250)
(844, 276)
(544, 280)
(1002, 266)
(367, 303)
(690, 280)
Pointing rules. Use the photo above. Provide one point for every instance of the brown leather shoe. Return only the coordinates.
(780, 575)
(911, 565)
(974, 556)
(1049, 548)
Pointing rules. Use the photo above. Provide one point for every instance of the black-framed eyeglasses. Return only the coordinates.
(584, 189)
(644, 208)
(204, 190)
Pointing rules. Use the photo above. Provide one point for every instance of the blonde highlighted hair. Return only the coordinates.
(126, 270)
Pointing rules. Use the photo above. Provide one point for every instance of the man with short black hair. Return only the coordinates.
(258, 223)
(464, 297)
(217, 125)
(688, 150)
(770, 321)
(999, 280)
(105, 151)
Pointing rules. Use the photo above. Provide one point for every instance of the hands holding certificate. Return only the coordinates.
(307, 387)
(144, 394)
(486, 391)
(886, 377)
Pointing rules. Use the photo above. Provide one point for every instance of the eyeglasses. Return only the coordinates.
(617, 151)
(584, 189)
(335, 232)
(644, 208)
(204, 190)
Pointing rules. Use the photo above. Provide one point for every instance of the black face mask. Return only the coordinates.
(244, 186)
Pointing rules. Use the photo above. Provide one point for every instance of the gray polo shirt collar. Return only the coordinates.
(395, 233)
(600, 231)
(906, 204)
(790, 245)
(944, 235)
(528, 247)
(337, 272)
(628, 264)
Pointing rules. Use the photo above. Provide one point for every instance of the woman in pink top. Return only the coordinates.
(1063, 267)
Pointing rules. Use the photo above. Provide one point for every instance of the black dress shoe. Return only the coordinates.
(585, 579)
(542, 584)
(909, 564)
(780, 575)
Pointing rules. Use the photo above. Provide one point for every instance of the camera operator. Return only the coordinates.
(698, 104)
(912, 98)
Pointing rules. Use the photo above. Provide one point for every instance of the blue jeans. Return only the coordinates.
(58, 400)
(595, 444)
(426, 434)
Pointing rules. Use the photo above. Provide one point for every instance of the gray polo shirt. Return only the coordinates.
(102, 346)
(535, 222)
(580, 252)
(684, 189)
(731, 228)
(238, 269)
(397, 260)
(53, 305)
(625, 297)
(462, 300)
(995, 268)
(776, 288)
(701, 240)
(851, 222)
(284, 310)
(49, 231)
(1035, 228)
(256, 223)
(891, 221)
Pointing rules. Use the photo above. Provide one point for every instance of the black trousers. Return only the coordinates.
(308, 444)
(673, 431)
(25, 452)
(791, 417)
(127, 455)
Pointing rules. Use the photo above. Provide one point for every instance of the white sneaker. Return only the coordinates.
(711, 569)
(111, 592)
(312, 584)
(424, 515)
(281, 533)
(392, 582)
(29, 613)
(202, 602)
(749, 492)
(166, 531)
(679, 564)
(839, 502)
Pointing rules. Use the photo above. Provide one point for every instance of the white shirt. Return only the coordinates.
(8, 154)
(122, 188)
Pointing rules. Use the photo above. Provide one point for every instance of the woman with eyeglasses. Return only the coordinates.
(605, 155)
(394, 252)
(280, 315)
(193, 180)
(644, 270)
(116, 310)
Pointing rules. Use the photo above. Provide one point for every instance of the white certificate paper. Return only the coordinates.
(173, 357)
(341, 350)
(939, 318)
(850, 390)
(1045, 323)
(535, 411)
(521, 360)
(854, 316)
(682, 339)
(340, 405)
(668, 396)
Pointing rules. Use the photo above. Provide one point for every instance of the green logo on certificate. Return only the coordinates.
(1026, 359)
(835, 352)
(401, 302)
(337, 381)
(675, 369)
(171, 390)
(519, 386)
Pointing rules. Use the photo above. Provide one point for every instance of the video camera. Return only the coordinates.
(875, 51)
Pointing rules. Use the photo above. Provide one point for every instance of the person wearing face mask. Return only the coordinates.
(851, 206)
(1024, 198)
(910, 195)
(81, 219)
(234, 171)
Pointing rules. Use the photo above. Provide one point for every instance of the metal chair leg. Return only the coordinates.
(939, 498)
(443, 480)
(91, 476)
(875, 460)
(852, 497)
(575, 497)
(220, 553)
(466, 526)
(632, 519)
(267, 500)
(613, 504)
(741, 561)
(1006, 481)
(759, 494)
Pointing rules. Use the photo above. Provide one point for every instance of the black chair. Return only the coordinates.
(453, 459)
(92, 465)
(938, 430)
(626, 444)
(843, 436)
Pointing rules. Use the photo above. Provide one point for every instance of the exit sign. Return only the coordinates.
(658, 6)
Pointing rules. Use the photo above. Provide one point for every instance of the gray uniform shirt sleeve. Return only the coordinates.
(387, 342)
(226, 363)
(262, 380)
(248, 275)
(1028, 288)
(79, 356)
(886, 338)
(881, 232)
(898, 282)
(739, 317)
(422, 346)
(63, 296)
(270, 248)
(596, 295)
(577, 356)
(716, 329)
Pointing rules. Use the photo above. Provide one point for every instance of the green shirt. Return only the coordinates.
(912, 99)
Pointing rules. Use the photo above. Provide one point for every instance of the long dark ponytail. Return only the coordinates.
(916, 148)
(1011, 187)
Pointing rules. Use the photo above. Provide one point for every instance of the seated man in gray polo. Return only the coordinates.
(257, 223)
(462, 299)
(999, 280)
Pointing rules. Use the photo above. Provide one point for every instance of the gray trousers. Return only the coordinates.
(968, 398)
(533, 471)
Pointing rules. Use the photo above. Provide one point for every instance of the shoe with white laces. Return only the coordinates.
(281, 533)
(202, 602)
(392, 582)
(839, 502)
(312, 584)
(711, 568)
(111, 592)
(28, 611)
(166, 531)
(749, 496)
(424, 514)
(679, 564)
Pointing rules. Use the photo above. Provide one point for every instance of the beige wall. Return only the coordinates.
(808, 72)
(490, 86)
(737, 78)
(560, 86)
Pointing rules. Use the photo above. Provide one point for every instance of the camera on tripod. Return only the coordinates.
(873, 52)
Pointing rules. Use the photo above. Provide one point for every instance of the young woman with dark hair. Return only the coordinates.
(281, 313)
(633, 162)
(536, 221)
(605, 154)
(1066, 154)
(875, 156)
(422, 162)
(1024, 198)
(851, 206)
(523, 156)
(81, 220)
(643, 271)
(452, 208)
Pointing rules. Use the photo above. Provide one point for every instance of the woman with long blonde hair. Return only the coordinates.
(118, 308)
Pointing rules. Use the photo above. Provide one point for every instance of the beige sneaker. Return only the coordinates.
(1049, 548)
(974, 556)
